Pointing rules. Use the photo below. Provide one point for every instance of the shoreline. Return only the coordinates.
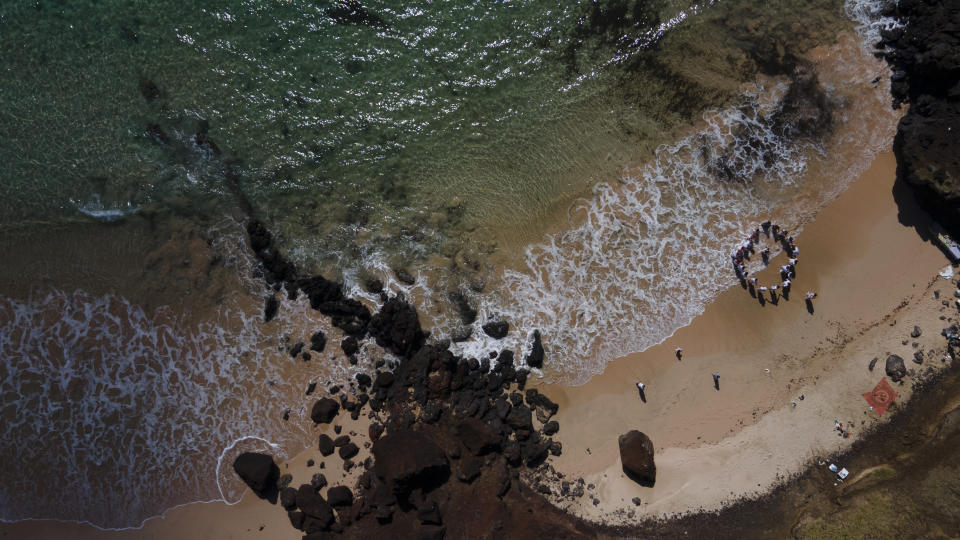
(870, 199)
(747, 437)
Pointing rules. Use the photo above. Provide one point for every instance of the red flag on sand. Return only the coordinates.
(881, 396)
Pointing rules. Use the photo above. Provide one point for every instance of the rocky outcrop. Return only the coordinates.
(318, 511)
(324, 410)
(406, 460)
(339, 496)
(924, 57)
(258, 471)
(636, 455)
(496, 329)
(396, 327)
(895, 367)
(478, 437)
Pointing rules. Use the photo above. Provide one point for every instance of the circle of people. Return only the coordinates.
(742, 255)
(787, 271)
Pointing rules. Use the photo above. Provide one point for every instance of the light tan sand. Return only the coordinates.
(874, 278)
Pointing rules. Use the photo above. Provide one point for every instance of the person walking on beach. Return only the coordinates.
(716, 380)
(640, 388)
(811, 295)
(773, 293)
(679, 353)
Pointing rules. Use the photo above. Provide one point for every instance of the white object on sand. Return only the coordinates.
(947, 272)
(843, 474)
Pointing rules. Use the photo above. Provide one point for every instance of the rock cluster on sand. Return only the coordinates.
(636, 454)
(441, 418)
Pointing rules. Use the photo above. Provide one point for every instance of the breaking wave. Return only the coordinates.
(646, 254)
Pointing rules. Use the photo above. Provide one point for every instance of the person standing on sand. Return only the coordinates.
(811, 295)
(679, 353)
(716, 380)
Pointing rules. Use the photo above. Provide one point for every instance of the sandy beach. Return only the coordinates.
(875, 279)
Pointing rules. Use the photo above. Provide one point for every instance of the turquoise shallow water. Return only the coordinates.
(393, 135)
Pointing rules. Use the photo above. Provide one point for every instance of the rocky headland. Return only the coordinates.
(924, 56)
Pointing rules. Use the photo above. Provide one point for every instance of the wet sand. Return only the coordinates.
(874, 278)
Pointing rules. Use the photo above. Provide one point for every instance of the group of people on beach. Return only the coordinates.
(787, 272)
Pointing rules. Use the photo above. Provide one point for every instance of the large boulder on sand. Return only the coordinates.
(324, 410)
(636, 454)
(407, 460)
(258, 471)
(896, 369)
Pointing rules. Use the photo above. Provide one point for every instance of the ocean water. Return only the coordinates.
(579, 169)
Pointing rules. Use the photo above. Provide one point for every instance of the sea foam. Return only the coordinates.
(645, 254)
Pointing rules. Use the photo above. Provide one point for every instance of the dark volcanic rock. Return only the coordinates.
(469, 468)
(477, 436)
(551, 427)
(918, 357)
(496, 329)
(636, 455)
(297, 519)
(270, 308)
(318, 341)
(349, 450)
(895, 367)
(916, 332)
(385, 379)
(296, 349)
(318, 481)
(535, 358)
(350, 346)
(873, 363)
(288, 498)
(340, 496)
(313, 505)
(924, 57)
(326, 445)
(324, 410)
(520, 418)
(258, 471)
(466, 311)
(406, 460)
(396, 327)
(319, 290)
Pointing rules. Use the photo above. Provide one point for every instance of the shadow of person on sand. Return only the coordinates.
(761, 299)
(809, 306)
(643, 395)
